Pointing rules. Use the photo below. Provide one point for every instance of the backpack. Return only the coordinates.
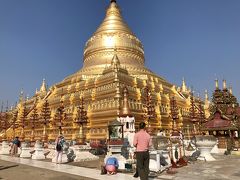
(19, 144)
(58, 147)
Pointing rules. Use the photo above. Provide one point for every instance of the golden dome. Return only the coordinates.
(113, 34)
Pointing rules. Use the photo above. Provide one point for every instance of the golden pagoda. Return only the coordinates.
(113, 59)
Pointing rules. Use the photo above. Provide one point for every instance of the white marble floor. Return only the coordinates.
(74, 170)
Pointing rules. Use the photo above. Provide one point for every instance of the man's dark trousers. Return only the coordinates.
(143, 164)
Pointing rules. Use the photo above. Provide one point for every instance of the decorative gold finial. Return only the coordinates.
(224, 84)
(216, 84)
(125, 109)
(115, 61)
(21, 96)
(230, 90)
(184, 88)
(206, 95)
(43, 87)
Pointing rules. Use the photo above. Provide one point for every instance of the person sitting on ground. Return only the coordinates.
(14, 147)
(111, 165)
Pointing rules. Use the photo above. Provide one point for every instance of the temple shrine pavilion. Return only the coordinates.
(225, 115)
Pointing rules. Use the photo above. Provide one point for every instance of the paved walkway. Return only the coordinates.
(224, 168)
(15, 171)
(64, 168)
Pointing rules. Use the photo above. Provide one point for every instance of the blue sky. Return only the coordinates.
(195, 39)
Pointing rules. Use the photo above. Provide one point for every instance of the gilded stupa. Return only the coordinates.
(113, 59)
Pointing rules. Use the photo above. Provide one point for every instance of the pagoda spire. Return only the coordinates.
(224, 85)
(43, 87)
(113, 32)
(230, 90)
(21, 96)
(184, 87)
(115, 60)
(206, 96)
(216, 84)
(125, 109)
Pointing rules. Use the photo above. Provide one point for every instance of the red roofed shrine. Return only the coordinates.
(225, 116)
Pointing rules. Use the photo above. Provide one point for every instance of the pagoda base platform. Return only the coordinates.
(5, 148)
(39, 151)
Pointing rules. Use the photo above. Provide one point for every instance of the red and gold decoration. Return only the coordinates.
(81, 120)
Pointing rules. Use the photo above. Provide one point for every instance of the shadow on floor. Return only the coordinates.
(7, 167)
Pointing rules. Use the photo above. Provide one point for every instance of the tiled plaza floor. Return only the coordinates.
(224, 168)
(11, 168)
(64, 171)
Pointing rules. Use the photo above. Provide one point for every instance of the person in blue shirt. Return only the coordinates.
(14, 147)
(111, 165)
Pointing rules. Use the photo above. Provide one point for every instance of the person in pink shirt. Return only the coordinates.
(142, 142)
